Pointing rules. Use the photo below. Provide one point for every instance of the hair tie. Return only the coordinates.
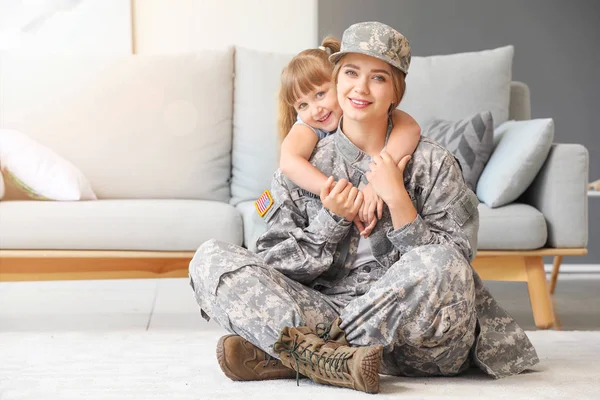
(325, 49)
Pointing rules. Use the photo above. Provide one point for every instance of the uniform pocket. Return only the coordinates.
(463, 207)
(215, 259)
(449, 321)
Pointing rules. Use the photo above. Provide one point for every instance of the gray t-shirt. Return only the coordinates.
(321, 134)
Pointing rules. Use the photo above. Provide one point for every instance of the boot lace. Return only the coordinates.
(267, 358)
(322, 330)
(327, 364)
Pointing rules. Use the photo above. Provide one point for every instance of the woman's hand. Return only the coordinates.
(387, 177)
(343, 199)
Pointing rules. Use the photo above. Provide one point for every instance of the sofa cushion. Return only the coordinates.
(255, 144)
(513, 227)
(521, 147)
(140, 126)
(154, 225)
(254, 225)
(38, 172)
(470, 140)
(455, 86)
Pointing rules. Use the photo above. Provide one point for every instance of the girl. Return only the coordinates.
(309, 111)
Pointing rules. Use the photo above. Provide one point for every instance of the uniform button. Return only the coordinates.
(367, 269)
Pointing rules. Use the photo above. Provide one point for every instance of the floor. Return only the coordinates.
(168, 304)
(145, 339)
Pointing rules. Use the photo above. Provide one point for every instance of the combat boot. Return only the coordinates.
(332, 332)
(240, 360)
(329, 362)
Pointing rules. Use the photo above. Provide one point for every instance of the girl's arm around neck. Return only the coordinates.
(404, 136)
(296, 149)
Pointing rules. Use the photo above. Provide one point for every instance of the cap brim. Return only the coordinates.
(335, 57)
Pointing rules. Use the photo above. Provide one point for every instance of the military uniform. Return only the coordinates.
(419, 297)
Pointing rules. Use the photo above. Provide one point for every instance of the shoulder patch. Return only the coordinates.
(463, 206)
(264, 203)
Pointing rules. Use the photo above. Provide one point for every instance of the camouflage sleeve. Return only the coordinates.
(299, 249)
(449, 215)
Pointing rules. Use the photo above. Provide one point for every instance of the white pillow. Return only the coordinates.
(38, 171)
(520, 150)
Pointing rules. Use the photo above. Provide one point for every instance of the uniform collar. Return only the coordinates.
(350, 152)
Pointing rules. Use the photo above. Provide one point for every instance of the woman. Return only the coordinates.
(332, 305)
(309, 111)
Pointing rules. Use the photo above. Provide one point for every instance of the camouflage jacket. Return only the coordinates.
(309, 244)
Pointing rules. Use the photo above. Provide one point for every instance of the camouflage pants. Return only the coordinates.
(421, 310)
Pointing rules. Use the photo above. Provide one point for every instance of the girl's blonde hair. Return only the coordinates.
(398, 82)
(307, 70)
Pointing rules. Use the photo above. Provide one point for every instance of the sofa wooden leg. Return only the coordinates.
(541, 303)
(555, 270)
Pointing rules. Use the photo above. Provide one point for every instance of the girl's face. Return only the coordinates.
(319, 108)
(364, 87)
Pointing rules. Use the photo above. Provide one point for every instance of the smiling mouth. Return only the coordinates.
(359, 103)
(325, 118)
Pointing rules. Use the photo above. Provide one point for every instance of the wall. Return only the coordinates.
(66, 26)
(556, 54)
(159, 26)
(171, 26)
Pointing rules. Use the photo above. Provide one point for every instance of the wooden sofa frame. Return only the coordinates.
(37, 265)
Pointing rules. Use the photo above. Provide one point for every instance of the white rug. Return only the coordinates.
(182, 365)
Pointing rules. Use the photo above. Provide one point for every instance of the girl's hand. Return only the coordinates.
(371, 204)
(359, 224)
(386, 176)
(366, 231)
(342, 199)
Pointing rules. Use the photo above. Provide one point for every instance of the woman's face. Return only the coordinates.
(364, 87)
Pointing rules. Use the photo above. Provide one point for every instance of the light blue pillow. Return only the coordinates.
(520, 149)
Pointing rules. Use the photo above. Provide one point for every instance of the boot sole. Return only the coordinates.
(221, 359)
(370, 369)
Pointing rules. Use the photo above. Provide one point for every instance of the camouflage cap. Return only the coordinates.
(376, 40)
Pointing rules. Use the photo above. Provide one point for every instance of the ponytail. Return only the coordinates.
(330, 45)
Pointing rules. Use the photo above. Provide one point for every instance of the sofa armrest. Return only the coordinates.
(559, 192)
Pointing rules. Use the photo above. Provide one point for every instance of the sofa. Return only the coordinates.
(178, 147)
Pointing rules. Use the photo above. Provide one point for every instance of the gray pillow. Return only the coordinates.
(520, 152)
(470, 140)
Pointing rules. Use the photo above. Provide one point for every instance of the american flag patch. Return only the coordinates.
(264, 203)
